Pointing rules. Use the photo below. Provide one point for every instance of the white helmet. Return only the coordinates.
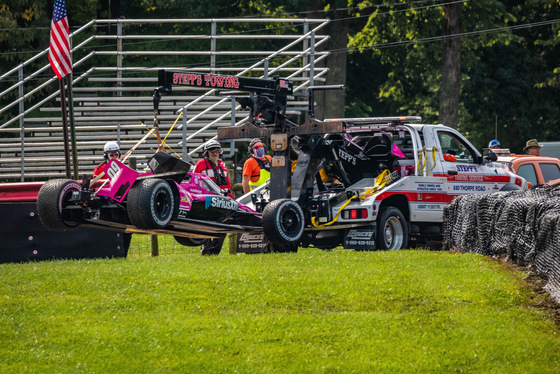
(111, 147)
(212, 144)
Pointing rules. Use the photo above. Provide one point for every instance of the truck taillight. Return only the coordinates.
(354, 214)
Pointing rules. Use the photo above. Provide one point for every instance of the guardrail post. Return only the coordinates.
(232, 142)
(155, 245)
(213, 47)
(119, 72)
(305, 59)
(265, 75)
(184, 135)
(22, 132)
(72, 126)
(312, 60)
(119, 55)
(232, 243)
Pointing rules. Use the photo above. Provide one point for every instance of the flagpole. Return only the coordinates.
(72, 129)
(64, 126)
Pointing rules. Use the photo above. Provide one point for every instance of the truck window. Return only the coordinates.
(403, 140)
(549, 171)
(455, 146)
(528, 172)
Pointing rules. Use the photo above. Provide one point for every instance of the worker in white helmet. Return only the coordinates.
(212, 166)
(110, 150)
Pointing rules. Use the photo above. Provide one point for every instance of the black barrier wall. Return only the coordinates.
(24, 238)
(522, 225)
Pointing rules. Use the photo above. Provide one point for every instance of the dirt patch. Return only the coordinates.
(534, 283)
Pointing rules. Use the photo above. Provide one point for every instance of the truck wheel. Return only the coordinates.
(150, 204)
(282, 221)
(189, 242)
(392, 230)
(52, 199)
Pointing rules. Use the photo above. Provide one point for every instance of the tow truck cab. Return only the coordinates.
(386, 180)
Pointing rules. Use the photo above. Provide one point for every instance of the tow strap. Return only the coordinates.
(422, 161)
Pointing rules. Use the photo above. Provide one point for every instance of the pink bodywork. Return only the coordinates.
(194, 187)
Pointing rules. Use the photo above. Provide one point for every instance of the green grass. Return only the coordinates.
(309, 312)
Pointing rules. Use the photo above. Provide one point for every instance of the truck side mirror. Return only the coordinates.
(488, 156)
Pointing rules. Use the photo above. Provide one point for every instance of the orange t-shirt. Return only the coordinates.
(252, 168)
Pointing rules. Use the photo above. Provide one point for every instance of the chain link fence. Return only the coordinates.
(524, 226)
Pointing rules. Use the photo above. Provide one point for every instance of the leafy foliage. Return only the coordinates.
(509, 75)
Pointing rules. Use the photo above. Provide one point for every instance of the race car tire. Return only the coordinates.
(392, 230)
(283, 221)
(52, 198)
(189, 242)
(150, 204)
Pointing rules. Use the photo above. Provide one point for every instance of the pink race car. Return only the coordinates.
(169, 200)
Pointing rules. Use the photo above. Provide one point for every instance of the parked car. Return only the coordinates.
(537, 170)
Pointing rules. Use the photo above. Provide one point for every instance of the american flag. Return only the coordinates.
(284, 83)
(60, 56)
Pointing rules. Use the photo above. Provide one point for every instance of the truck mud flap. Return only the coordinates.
(363, 238)
(252, 243)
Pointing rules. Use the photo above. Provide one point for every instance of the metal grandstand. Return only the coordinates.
(115, 73)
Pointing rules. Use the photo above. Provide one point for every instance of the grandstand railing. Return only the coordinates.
(115, 73)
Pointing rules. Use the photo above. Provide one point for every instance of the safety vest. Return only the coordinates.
(264, 174)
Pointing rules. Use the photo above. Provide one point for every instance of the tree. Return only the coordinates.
(450, 88)
(511, 87)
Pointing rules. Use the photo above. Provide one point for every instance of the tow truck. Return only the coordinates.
(364, 183)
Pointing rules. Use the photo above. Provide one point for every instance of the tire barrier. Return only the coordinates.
(524, 226)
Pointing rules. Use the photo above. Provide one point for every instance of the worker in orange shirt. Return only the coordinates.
(256, 170)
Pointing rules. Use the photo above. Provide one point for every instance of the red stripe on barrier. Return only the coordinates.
(19, 191)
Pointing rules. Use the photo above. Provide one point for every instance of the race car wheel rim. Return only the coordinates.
(393, 233)
(290, 222)
(162, 205)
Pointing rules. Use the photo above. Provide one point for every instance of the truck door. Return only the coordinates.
(458, 160)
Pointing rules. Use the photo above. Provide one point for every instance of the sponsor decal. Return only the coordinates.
(430, 207)
(220, 203)
(347, 156)
(250, 242)
(355, 234)
(187, 79)
(251, 238)
(360, 238)
(429, 187)
(469, 178)
(464, 188)
(206, 80)
(153, 164)
(467, 168)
